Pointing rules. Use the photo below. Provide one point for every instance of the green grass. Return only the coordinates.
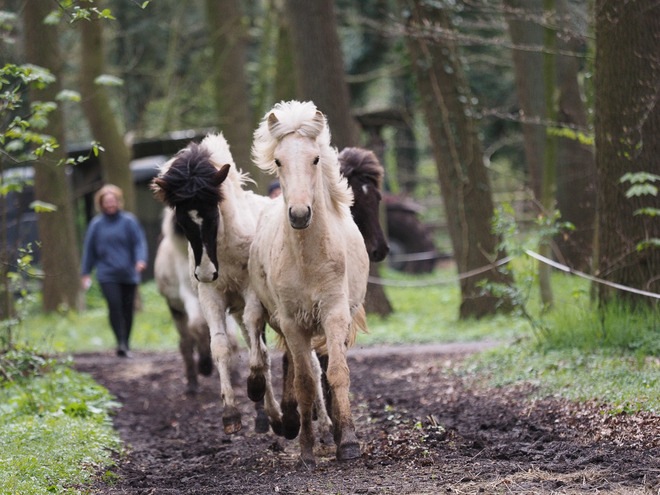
(581, 353)
(55, 432)
(621, 381)
(90, 330)
(430, 314)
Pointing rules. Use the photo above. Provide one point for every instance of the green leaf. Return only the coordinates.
(68, 95)
(649, 243)
(108, 80)
(652, 212)
(106, 14)
(144, 4)
(638, 177)
(42, 206)
(15, 145)
(642, 190)
(53, 18)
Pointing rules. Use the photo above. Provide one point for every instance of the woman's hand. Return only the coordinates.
(140, 266)
(86, 282)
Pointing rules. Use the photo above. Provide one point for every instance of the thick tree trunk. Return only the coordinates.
(229, 43)
(576, 189)
(457, 150)
(523, 18)
(59, 255)
(627, 139)
(115, 160)
(319, 66)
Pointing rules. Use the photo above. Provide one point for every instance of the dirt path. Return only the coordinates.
(493, 440)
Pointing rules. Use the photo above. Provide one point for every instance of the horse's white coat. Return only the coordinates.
(173, 280)
(238, 214)
(311, 281)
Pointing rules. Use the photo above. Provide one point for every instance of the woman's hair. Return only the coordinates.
(108, 189)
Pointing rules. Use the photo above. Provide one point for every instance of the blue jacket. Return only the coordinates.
(114, 244)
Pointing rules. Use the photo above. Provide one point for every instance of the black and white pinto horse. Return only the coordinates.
(173, 282)
(219, 218)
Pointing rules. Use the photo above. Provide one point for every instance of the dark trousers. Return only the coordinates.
(121, 302)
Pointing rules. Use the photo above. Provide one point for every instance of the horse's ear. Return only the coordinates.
(160, 188)
(319, 118)
(272, 122)
(220, 176)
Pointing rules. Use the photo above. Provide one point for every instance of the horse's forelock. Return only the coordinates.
(361, 163)
(189, 176)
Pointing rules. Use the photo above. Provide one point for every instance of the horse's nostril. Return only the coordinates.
(215, 276)
(196, 277)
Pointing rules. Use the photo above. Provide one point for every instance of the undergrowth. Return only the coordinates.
(55, 432)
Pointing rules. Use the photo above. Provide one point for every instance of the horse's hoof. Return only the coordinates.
(261, 424)
(327, 439)
(232, 421)
(256, 387)
(191, 391)
(205, 365)
(348, 451)
(290, 424)
(306, 464)
(277, 428)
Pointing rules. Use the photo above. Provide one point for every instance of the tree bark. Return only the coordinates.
(457, 150)
(319, 66)
(116, 159)
(59, 254)
(228, 40)
(523, 19)
(627, 140)
(576, 188)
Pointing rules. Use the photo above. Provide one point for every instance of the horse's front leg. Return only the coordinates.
(213, 308)
(324, 422)
(259, 382)
(290, 415)
(305, 386)
(337, 328)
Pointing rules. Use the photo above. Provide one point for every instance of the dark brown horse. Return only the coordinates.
(365, 176)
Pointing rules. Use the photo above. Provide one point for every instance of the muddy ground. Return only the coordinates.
(423, 430)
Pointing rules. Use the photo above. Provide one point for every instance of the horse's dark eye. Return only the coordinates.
(277, 162)
(316, 160)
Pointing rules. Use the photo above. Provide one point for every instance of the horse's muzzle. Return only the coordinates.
(300, 217)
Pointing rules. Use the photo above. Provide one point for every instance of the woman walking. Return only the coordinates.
(115, 244)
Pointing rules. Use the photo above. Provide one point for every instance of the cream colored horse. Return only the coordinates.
(308, 262)
(205, 190)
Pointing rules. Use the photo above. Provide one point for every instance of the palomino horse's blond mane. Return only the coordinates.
(295, 116)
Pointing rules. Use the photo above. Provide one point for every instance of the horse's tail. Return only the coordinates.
(359, 323)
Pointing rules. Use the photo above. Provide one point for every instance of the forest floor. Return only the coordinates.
(489, 440)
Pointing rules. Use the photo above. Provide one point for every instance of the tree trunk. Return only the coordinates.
(576, 189)
(60, 262)
(464, 182)
(523, 18)
(115, 160)
(627, 140)
(228, 40)
(549, 182)
(319, 66)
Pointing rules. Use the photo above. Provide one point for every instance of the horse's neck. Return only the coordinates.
(237, 226)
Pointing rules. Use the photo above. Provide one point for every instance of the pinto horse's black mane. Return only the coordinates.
(191, 176)
(361, 164)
